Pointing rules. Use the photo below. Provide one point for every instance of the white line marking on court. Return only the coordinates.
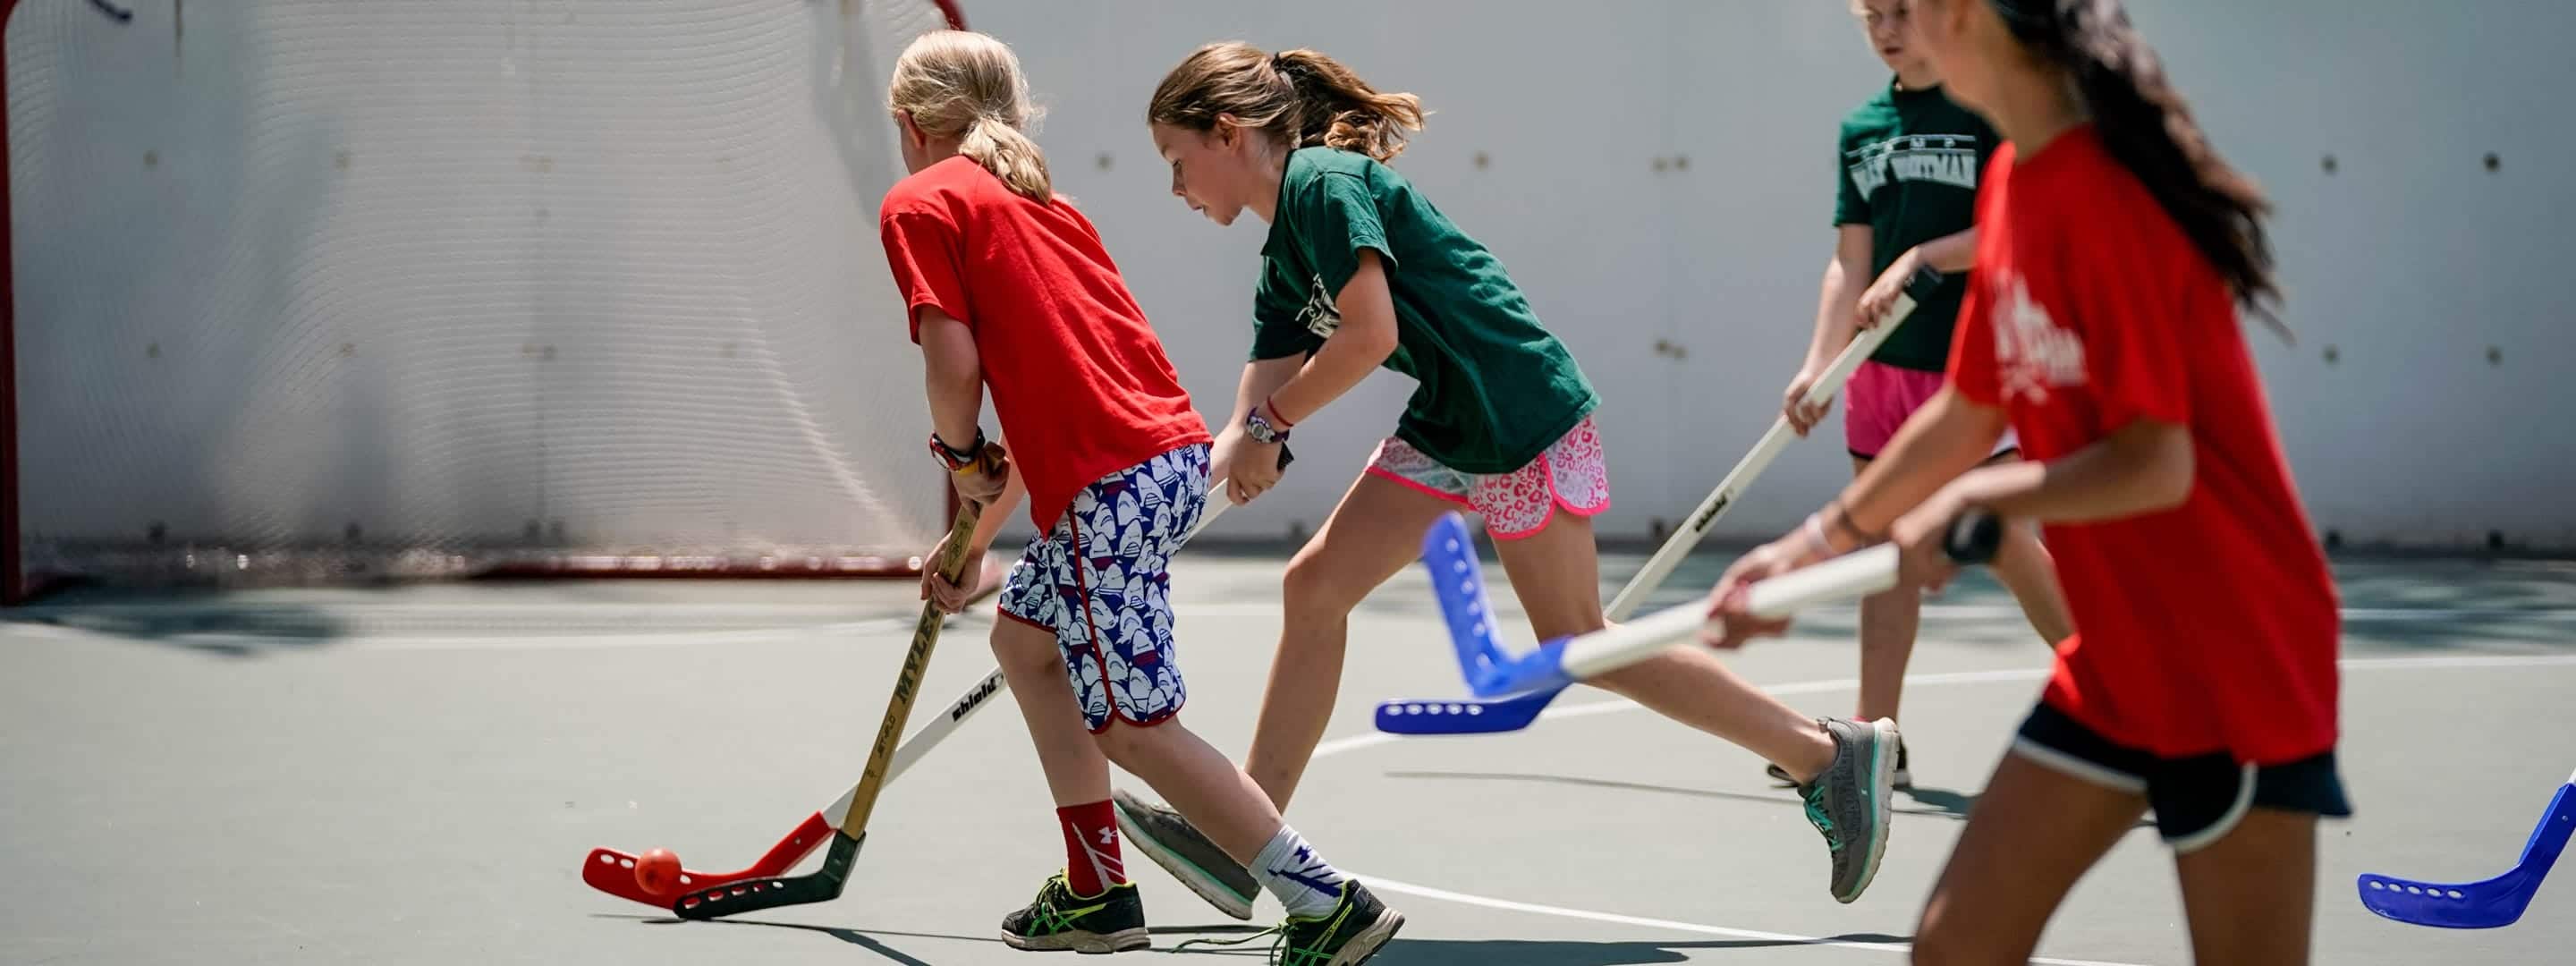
(1444, 895)
(383, 627)
(1356, 742)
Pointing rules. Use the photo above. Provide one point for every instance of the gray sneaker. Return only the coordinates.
(1173, 843)
(1904, 774)
(1849, 802)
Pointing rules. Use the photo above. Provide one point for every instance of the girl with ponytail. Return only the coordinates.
(1361, 271)
(1007, 286)
(2114, 249)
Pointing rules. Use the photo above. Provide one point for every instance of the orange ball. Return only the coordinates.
(658, 872)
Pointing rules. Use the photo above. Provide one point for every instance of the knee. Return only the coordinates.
(1021, 649)
(1310, 588)
(1128, 746)
(1639, 678)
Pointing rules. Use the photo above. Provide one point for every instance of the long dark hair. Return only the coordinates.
(2147, 127)
(1302, 96)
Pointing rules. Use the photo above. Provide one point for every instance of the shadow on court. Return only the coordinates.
(1532, 952)
(1936, 802)
(203, 623)
(1414, 952)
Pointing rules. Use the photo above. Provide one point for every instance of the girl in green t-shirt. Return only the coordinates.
(1361, 271)
(1908, 164)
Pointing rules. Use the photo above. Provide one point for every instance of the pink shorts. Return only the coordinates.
(1879, 398)
(1518, 504)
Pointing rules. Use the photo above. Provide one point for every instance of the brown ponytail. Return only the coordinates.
(968, 86)
(2147, 127)
(1302, 97)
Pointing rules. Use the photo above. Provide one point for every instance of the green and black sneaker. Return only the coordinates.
(1354, 931)
(1113, 921)
(1347, 936)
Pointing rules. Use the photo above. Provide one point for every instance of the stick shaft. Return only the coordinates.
(907, 683)
(1852, 575)
(1696, 526)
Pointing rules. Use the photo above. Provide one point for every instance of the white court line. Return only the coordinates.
(1356, 742)
(1444, 895)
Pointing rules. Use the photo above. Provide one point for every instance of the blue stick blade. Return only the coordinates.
(2463, 905)
(1461, 716)
(1539, 670)
(2485, 904)
(1458, 584)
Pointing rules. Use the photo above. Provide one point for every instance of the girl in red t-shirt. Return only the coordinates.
(1009, 288)
(2101, 326)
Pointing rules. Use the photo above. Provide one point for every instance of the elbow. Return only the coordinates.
(1375, 342)
(2167, 482)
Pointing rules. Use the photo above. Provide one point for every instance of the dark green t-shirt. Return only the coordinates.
(1495, 388)
(1908, 169)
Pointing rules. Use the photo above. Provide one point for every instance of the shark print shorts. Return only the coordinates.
(1100, 581)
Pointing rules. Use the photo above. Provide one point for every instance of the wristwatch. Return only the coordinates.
(957, 461)
(1260, 429)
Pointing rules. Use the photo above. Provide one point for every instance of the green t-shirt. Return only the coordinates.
(1495, 388)
(1908, 169)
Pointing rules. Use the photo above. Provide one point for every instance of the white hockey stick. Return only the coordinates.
(1696, 526)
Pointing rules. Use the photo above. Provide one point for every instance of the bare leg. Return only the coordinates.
(1199, 782)
(1076, 773)
(2250, 896)
(1375, 532)
(1889, 621)
(2025, 568)
(2034, 832)
(1557, 576)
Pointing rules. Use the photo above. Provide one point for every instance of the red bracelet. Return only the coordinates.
(1275, 415)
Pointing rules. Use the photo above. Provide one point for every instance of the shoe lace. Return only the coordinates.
(1286, 947)
(1279, 931)
(1820, 817)
(1050, 916)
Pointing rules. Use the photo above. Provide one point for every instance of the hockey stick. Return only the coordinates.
(1413, 716)
(1917, 289)
(851, 831)
(1558, 664)
(613, 872)
(2488, 903)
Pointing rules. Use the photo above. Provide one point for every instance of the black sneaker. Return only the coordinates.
(1904, 776)
(1354, 931)
(1113, 921)
(1173, 843)
(1347, 936)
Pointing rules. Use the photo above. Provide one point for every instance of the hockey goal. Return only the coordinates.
(327, 290)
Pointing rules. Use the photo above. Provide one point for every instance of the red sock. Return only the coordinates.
(1091, 862)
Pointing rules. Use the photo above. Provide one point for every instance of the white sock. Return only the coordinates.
(1309, 886)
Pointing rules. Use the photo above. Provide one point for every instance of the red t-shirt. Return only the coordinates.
(2210, 626)
(1078, 378)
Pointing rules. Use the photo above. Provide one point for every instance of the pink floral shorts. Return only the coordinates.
(1518, 504)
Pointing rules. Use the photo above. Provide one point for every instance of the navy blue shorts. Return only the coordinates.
(2198, 799)
(1101, 582)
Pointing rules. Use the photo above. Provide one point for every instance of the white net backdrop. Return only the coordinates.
(307, 287)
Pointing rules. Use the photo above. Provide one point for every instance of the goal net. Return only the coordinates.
(321, 290)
